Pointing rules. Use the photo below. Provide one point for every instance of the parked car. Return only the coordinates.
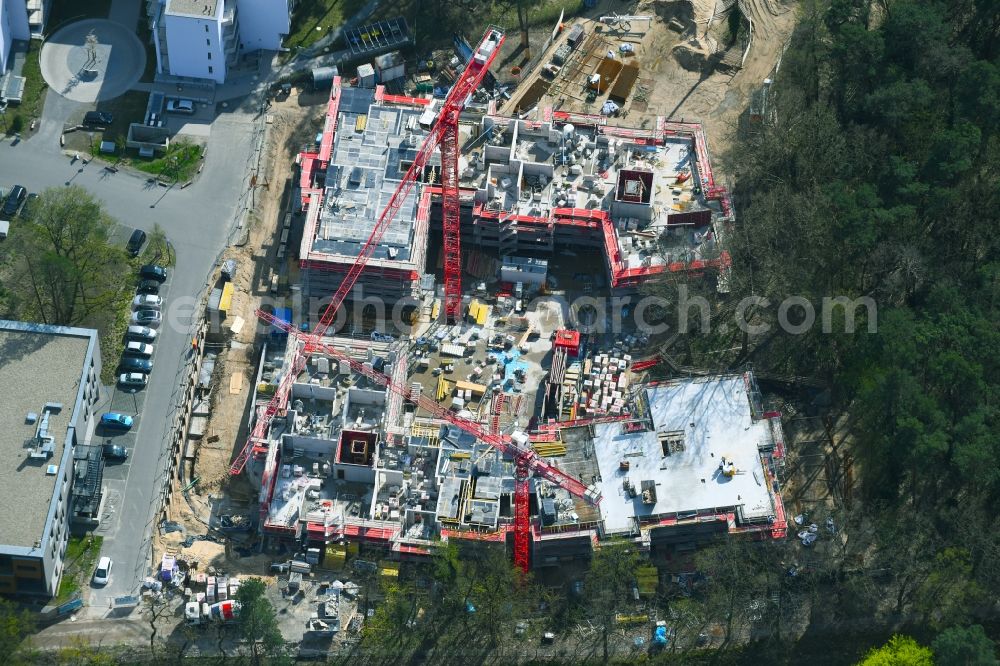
(150, 301)
(148, 287)
(180, 106)
(15, 199)
(133, 380)
(97, 118)
(135, 242)
(115, 452)
(103, 572)
(141, 333)
(139, 348)
(150, 318)
(153, 272)
(116, 421)
(135, 364)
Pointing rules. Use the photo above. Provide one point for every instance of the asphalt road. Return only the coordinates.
(198, 220)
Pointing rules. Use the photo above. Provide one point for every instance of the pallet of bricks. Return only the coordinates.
(605, 383)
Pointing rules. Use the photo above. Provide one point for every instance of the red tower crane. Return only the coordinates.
(445, 134)
(525, 459)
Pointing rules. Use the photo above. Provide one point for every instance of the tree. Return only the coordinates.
(258, 622)
(899, 651)
(964, 646)
(64, 267)
(156, 607)
(158, 248)
(608, 586)
(15, 625)
(494, 593)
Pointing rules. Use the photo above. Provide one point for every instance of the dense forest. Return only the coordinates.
(875, 175)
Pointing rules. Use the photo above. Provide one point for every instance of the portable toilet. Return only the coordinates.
(366, 76)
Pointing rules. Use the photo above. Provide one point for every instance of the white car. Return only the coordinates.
(147, 317)
(180, 106)
(103, 572)
(141, 333)
(147, 301)
(134, 380)
(139, 349)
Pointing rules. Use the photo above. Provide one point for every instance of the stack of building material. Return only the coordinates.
(549, 449)
(605, 384)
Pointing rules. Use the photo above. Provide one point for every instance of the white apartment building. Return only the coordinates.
(20, 20)
(203, 38)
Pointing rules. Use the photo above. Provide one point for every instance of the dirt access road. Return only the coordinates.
(690, 67)
(291, 123)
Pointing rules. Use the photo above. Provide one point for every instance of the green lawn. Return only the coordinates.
(313, 14)
(81, 558)
(179, 164)
(19, 117)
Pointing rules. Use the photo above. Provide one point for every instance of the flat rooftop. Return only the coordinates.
(706, 419)
(201, 8)
(373, 147)
(36, 368)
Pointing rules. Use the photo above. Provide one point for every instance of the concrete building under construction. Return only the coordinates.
(358, 454)
(646, 199)
(350, 462)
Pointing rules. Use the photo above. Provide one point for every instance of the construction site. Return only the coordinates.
(493, 415)
(437, 360)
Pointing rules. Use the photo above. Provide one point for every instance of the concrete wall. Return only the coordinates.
(353, 473)
(13, 25)
(6, 37)
(17, 13)
(263, 23)
(195, 46)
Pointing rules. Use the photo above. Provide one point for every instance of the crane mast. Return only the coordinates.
(445, 135)
(446, 131)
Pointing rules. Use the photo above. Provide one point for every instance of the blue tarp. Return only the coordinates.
(286, 315)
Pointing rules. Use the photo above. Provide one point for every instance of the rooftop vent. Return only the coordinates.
(43, 445)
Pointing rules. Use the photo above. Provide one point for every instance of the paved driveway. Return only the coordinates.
(198, 220)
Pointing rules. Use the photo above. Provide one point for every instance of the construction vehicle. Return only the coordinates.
(202, 613)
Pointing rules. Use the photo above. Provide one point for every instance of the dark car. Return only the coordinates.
(97, 118)
(148, 287)
(134, 364)
(14, 200)
(153, 272)
(135, 242)
(115, 452)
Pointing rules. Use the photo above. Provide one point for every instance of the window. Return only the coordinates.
(209, 55)
(208, 42)
(206, 28)
(210, 70)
